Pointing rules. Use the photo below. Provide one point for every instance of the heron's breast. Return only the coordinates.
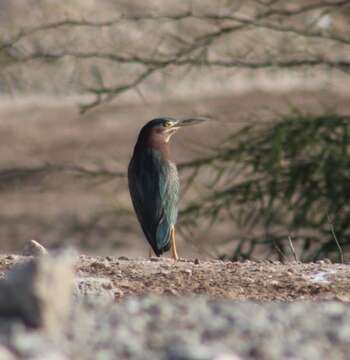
(171, 172)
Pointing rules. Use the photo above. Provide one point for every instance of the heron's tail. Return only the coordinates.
(162, 241)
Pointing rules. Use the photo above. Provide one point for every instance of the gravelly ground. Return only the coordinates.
(204, 315)
(261, 281)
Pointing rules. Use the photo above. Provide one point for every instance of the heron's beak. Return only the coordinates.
(189, 121)
(177, 124)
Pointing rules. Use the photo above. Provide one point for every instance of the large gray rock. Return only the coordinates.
(39, 292)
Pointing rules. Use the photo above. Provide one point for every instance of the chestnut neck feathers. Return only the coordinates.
(159, 144)
(155, 139)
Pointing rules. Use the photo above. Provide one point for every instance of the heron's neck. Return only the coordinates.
(160, 145)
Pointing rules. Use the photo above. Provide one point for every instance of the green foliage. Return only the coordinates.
(289, 177)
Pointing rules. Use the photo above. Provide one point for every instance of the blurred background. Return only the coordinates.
(266, 178)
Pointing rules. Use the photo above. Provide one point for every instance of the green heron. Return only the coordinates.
(154, 183)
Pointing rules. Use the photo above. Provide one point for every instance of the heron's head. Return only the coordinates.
(159, 131)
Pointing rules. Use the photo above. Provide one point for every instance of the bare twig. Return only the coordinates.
(11, 176)
(292, 248)
(280, 252)
(341, 254)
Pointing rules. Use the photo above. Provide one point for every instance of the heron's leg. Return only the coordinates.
(173, 245)
(150, 252)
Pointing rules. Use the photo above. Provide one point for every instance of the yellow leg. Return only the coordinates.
(150, 253)
(173, 245)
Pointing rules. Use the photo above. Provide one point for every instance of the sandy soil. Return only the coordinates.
(248, 280)
(261, 281)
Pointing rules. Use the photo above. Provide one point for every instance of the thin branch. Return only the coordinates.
(113, 92)
(93, 172)
(188, 55)
(341, 254)
(292, 248)
(158, 65)
(169, 17)
(21, 174)
(279, 251)
(179, 62)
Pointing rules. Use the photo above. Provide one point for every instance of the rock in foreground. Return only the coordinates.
(39, 291)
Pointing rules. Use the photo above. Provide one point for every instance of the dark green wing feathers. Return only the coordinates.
(154, 189)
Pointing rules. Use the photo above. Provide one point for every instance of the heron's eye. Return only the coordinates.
(167, 124)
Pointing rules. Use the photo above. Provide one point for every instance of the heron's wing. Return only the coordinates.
(169, 193)
(154, 195)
